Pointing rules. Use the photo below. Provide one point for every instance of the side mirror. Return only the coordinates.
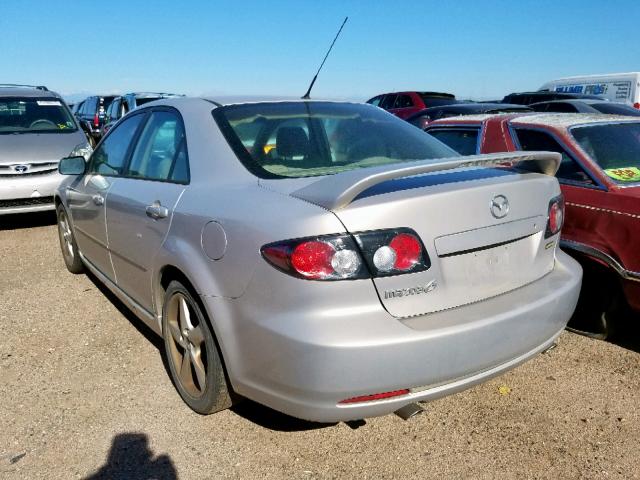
(72, 166)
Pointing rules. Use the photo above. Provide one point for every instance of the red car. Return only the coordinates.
(600, 179)
(405, 104)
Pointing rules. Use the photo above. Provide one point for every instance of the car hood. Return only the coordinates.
(34, 147)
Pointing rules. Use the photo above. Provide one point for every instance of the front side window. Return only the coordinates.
(302, 139)
(110, 157)
(462, 140)
(615, 147)
(535, 140)
(161, 151)
(375, 101)
(34, 115)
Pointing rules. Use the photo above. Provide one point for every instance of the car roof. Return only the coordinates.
(573, 101)
(35, 92)
(567, 120)
(151, 94)
(559, 120)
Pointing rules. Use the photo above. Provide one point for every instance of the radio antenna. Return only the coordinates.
(306, 95)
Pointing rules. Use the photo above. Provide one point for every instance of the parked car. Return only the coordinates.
(586, 106)
(122, 105)
(91, 115)
(36, 130)
(600, 179)
(617, 87)
(362, 284)
(527, 98)
(405, 104)
(422, 118)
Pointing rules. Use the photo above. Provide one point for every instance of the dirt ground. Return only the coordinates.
(84, 394)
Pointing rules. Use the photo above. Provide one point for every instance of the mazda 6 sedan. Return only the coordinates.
(326, 259)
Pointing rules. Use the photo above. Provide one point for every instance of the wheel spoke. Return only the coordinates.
(198, 366)
(175, 333)
(185, 316)
(185, 369)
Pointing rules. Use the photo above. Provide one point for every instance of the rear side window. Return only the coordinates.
(434, 101)
(532, 140)
(110, 157)
(462, 140)
(161, 151)
(403, 101)
(388, 102)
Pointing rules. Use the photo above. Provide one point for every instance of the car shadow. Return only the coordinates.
(131, 458)
(272, 419)
(628, 334)
(248, 409)
(27, 220)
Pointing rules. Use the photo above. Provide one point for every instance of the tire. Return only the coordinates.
(193, 357)
(68, 246)
(600, 303)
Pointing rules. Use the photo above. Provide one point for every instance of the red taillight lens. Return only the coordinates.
(636, 105)
(333, 257)
(313, 259)
(375, 396)
(337, 257)
(96, 120)
(408, 250)
(556, 216)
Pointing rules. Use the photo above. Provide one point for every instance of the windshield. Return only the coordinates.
(34, 115)
(302, 139)
(614, 147)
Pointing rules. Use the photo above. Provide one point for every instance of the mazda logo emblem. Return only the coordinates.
(20, 168)
(499, 206)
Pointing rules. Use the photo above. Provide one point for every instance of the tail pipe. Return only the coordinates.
(408, 411)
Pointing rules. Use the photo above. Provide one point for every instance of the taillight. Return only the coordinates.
(556, 216)
(636, 105)
(96, 120)
(345, 257)
(331, 257)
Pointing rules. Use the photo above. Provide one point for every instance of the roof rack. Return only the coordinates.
(16, 85)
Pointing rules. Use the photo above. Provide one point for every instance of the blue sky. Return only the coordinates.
(475, 49)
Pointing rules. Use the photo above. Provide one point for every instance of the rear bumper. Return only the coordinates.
(305, 370)
(29, 193)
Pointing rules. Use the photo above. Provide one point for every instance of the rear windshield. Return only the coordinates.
(614, 147)
(303, 139)
(616, 109)
(142, 101)
(431, 101)
(34, 115)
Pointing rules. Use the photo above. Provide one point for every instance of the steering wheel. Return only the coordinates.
(43, 121)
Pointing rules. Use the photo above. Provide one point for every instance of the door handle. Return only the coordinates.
(157, 211)
(98, 199)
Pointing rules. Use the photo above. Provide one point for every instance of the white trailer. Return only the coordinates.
(617, 87)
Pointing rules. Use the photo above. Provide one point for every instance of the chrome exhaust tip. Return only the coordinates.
(550, 347)
(409, 411)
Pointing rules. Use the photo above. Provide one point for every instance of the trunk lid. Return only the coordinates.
(474, 255)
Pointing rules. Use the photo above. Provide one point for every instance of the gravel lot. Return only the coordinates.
(84, 394)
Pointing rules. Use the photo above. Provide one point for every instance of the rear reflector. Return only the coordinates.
(375, 396)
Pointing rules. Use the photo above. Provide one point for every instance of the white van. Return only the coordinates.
(617, 87)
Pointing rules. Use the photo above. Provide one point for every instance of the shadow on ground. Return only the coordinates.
(130, 458)
(27, 220)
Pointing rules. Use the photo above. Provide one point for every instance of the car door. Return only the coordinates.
(140, 205)
(88, 194)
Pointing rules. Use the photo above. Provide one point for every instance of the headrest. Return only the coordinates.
(292, 142)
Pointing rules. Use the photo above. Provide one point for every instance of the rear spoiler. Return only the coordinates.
(337, 191)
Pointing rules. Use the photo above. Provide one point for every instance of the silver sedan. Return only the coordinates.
(325, 259)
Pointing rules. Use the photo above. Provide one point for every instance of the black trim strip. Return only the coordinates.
(485, 247)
